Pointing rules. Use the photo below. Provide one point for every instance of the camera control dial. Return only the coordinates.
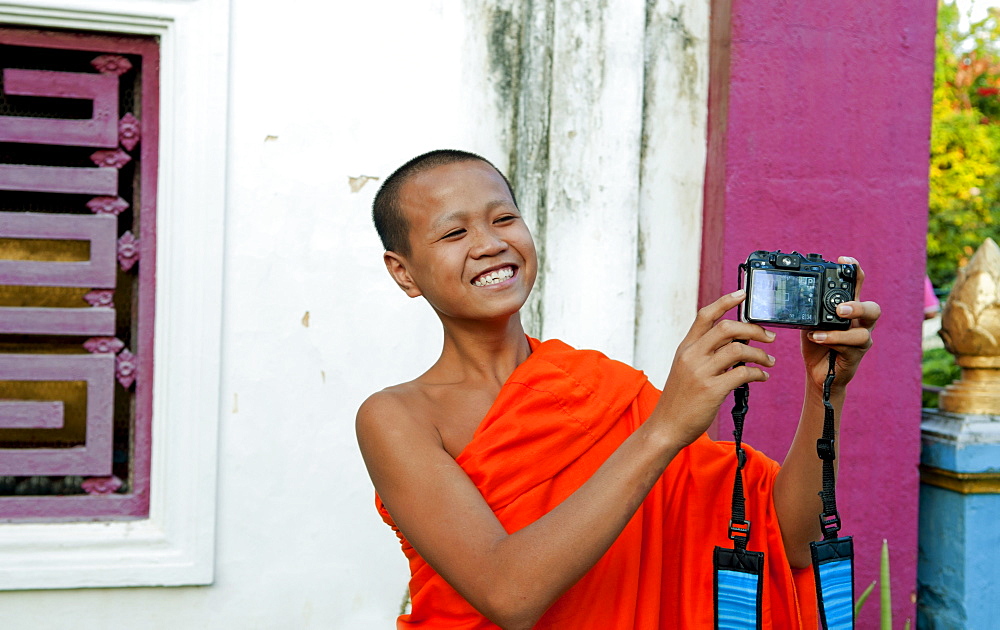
(835, 298)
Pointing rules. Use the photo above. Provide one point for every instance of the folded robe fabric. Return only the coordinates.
(556, 420)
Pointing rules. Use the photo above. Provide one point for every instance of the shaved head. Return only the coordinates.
(387, 211)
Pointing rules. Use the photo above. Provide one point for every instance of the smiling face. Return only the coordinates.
(471, 255)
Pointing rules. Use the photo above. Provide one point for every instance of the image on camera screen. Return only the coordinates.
(783, 297)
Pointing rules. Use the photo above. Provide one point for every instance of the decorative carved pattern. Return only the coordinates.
(128, 131)
(125, 366)
(101, 297)
(99, 272)
(107, 205)
(128, 250)
(91, 458)
(970, 328)
(111, 64)
(101, 485)
(95, 97)
(32, 414)
(59, 179)
(97, 131)
(103, 345)
(970, 323)
(110, 158)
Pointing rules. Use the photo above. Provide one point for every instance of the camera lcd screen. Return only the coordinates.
(781, 296)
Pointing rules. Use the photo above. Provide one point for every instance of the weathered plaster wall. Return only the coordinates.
(672, 170)
(607, 110)
(826, 151)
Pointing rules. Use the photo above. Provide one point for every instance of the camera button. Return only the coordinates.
(832, 284)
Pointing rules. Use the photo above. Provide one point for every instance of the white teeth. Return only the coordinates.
(494, 277)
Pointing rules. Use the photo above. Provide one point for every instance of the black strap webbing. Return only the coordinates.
(739, 527)
(826, 449)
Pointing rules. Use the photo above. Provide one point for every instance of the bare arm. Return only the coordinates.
(514, 578)
(797, 487)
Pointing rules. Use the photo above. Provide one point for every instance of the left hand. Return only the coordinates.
(851, 344)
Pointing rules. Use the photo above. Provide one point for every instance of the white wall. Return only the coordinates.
(321, 92)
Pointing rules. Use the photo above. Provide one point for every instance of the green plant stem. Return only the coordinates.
(864, 597)
(885, 588)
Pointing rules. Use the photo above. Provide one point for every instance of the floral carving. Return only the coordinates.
(100, 297)
(970, 327)
(101, 485)
(111, 64)
(128, 250)
(125, 367)
(970, 323)
(128, 131)
(103, 345)
(107, 205)
(108, 158)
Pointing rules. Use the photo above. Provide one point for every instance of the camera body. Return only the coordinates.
(796, 291)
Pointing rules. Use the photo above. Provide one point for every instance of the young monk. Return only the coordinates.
(534, 485)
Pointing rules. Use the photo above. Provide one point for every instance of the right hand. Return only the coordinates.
(702, 373)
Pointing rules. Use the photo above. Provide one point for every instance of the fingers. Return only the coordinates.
(741, 375)
(847, 260)
(728, 330)
(710, 314)
(708, 330)
(864, 315)
(843, 340)
(729, 355)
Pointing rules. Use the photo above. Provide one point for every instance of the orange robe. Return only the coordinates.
(556, 420)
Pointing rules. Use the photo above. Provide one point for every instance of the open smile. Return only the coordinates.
(494, 276)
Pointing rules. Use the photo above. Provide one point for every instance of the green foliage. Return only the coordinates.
(964, 203)
(939, 369)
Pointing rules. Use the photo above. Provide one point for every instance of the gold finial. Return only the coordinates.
(970, 327)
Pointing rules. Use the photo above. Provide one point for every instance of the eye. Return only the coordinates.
(455, 233)
(507, 218)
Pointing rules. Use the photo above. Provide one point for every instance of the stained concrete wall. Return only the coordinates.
(824, 149)
(607, 111)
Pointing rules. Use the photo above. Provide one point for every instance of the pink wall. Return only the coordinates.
(818, 141)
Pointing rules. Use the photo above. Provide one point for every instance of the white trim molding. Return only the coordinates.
(176, 544)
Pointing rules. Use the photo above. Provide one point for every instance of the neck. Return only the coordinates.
(483, 351)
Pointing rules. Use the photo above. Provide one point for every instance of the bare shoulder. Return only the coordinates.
(396, 410)
(395, 430)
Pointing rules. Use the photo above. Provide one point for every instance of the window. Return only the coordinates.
(167, 536)
(78, 151)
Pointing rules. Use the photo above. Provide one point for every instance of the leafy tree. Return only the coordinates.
(964, 204)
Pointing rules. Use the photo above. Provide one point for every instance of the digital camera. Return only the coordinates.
(796, 291)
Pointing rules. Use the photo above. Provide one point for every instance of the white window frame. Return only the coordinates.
(176, 544)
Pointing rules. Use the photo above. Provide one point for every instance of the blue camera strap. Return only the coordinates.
(738, 582)
(832, 557)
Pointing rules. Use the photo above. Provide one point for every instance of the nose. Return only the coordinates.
(488, 243)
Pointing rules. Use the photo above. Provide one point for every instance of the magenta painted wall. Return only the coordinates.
(823, 147)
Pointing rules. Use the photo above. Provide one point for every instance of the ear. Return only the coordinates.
(396, 265)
